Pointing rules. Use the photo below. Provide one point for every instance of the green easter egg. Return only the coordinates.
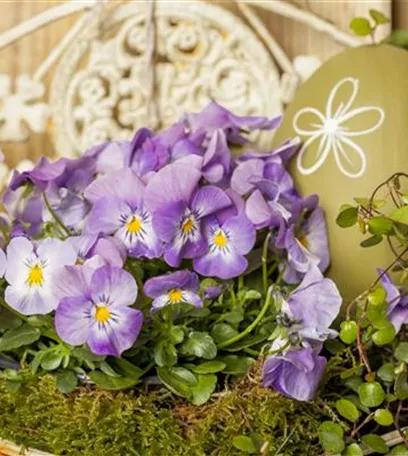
(352, 118)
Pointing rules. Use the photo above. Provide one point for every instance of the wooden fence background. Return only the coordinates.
(25, 55)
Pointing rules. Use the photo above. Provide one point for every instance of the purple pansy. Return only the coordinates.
(31, 273)
(217, 159)
(228, 243)
(296, 374)
(397, 302)
(174, 288)
(119, 209)
(312, 307)
(179, 209)
(307, 246)
(94, 308)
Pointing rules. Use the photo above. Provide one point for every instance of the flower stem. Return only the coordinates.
(265, 261)
(252, 326)
(58, 221)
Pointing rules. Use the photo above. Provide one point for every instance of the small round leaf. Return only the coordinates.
(371, 394)
(347, 410)
(348, 332)
(383, 417)
(331, 437)
(376, 443)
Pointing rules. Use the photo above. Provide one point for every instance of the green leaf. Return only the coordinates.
(399, 38)
(126, 368)
(376, 443)
(248, 342)
(108, 370)
(384, 336)
(237, 365)
(201, 392)
(383, 417)
(347, 217)
(361, 26)
(178, 380)
(165, 354)
(18, 337)
(348, 332)
(40, 321)
(401, 386)
(199, 344)
(377, 296)
(244, 444)
(222, 332)
(331, 437)
(209, 367)
(183, 375)
(401, 352)
(67, 381)
(112, 383)
(347, 410)
(378, 17)
(176, 335)
(386, 372)
(8, 320)
(371, 241)
(353, 450)
(371, 394)
(380, 225)
(400, 450)
(51, 360)
(400, 215)
(252, 295)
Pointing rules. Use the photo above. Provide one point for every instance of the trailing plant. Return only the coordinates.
(373, 390)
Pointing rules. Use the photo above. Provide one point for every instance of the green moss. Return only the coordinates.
(90, 423)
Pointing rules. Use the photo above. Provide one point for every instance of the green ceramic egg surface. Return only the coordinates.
(352, 118)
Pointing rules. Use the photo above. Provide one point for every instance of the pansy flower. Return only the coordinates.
(296, 374)
(119, 209)
(174, 288)
(397, 301)
(179, 208)
(31, 273)
(312, 307)
(228, 243)
(94, 308)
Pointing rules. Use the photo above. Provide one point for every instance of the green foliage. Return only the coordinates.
(331, 437)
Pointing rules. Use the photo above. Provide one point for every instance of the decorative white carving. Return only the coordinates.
(333, 134)
(20, 112)
(204, 53)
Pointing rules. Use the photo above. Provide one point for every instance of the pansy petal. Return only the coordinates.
(56, 253)
(258, 210)
(30, 301)
(192, 298)
(246, 174)
(224, 265)
(3, 263)
(19, 252)
(73, 281)
(241, 233)
(107, 216)
(123, 184)
(113, 286)
(175, 182)
(112, 250)
(209, 199)
(167, 221)
(73, 319)
(118, 334)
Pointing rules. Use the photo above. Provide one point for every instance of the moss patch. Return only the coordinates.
(90, 422)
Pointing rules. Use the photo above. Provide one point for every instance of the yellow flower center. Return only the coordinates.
(102, 314)
(35, 275)
(175, 296)
(220, 240)
(188, 226)
(134, 225)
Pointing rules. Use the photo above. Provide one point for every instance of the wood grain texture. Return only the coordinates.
(26, 55)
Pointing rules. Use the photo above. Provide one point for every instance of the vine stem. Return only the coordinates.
(252, 326)
(55, 216)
